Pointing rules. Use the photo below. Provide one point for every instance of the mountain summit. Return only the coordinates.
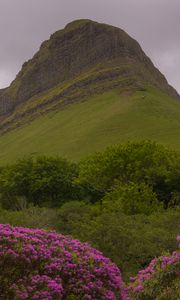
(89, 52)
(89, 86)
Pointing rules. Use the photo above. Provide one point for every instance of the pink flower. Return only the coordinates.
(47, 266)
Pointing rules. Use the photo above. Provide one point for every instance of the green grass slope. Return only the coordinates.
(82, 128)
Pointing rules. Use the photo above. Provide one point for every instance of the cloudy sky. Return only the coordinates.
(25, 24)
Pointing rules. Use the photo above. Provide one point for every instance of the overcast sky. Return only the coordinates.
(25, 24)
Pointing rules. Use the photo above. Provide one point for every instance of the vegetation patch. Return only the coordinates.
(46, 265)
(160, 280)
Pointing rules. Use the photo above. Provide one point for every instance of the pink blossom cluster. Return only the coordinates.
(45, 265)
(170, 263)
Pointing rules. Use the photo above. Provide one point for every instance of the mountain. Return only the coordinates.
(85, 65)
(84, 58)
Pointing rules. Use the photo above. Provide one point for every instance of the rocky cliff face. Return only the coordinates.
(83, 47)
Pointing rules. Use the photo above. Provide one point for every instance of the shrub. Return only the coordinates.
(159, 281)
(130, 241)
(33, 217)
(45, 265)
(131, 199)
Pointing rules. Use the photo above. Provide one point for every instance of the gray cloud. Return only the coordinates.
(24, 24)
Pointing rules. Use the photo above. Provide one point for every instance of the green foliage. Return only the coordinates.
(44, 181)
(136, 177)
(158, 281)
(15, 184)
(33, 217)
(130, 241)
(164, 286)
(137, 162)
(52, 181)
(72, 215)
(123, 189)
(132, 199)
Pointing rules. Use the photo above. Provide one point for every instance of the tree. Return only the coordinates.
(52, 181)
(137, 162)
(131, 199)
(41, 181)
(15, 184)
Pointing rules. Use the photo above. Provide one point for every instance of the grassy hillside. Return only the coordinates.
(85, 127)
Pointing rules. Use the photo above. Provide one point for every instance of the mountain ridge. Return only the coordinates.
(84, 55)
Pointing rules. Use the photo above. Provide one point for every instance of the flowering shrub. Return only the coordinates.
(159, 281)
(36, 264)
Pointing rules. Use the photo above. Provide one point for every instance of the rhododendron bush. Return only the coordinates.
(159, 281)
(35, 264)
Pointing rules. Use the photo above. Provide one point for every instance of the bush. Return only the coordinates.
(33, 217)
(131, 199)
(46, 265)
(72, 215)
(130, 241)
(159, 281)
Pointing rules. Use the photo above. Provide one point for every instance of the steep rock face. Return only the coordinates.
(82, 47)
